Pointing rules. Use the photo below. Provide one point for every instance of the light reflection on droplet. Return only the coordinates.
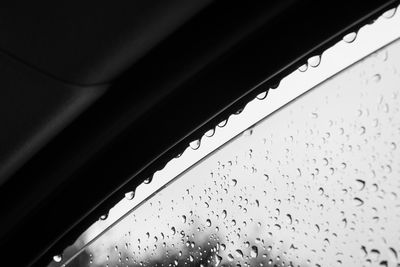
(57, 258)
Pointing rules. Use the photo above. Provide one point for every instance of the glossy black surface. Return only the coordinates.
(90, 42)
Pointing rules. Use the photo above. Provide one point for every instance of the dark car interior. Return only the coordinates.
(96, 96)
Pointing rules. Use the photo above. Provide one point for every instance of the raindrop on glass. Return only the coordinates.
(237, 112)
(390, 13)
(130, 195)
(314, 61)
(303, 67)
(57, 258)
(195, 144)
(375, 254)
(262, 95)
(210, 132)
(376, 78)
(289, 218)
(222, 123)
(361, 184)
(254, 252)
(239, 253)
(148, 180)
(393, 145)
(218, 260)
(224, 214)
(393, 254)
(350, 37)
(358, 201)
(275, 85)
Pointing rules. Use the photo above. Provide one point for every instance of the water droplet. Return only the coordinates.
(148, 180)
(383, 55)
(314, 61)
(275, 84)
(321, 191)
(383, 263)
(393, 254)
(289, 218)
(376, 77)
(218, 260)
(364, 252)
(358, 201)
(361, 184)
(237, 112)
(393, 145)
(375, 254)
(210, 132)
(254, 252)
(191, 259)
(222, 123)
(233, 182)
(362, 130)
(224, 214)
(230, 257)
(390, 13)
(350, 37)
(130, 195)
(248, 132)
(208, 222)
(239, 253)
(173, 230)
(303, 67)
(262, 95)
(57, 258)
(195, 144)
(386, 108)
(103, 217)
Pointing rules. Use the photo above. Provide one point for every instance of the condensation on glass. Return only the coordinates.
(316, 183)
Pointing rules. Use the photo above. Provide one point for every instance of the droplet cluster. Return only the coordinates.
(317, 183)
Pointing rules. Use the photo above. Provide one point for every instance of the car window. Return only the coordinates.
(306, 175)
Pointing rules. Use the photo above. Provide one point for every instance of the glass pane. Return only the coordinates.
(315, 183)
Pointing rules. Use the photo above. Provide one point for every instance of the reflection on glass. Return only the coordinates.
(316, 183)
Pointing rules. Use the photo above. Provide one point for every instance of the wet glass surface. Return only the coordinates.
(315, 183)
